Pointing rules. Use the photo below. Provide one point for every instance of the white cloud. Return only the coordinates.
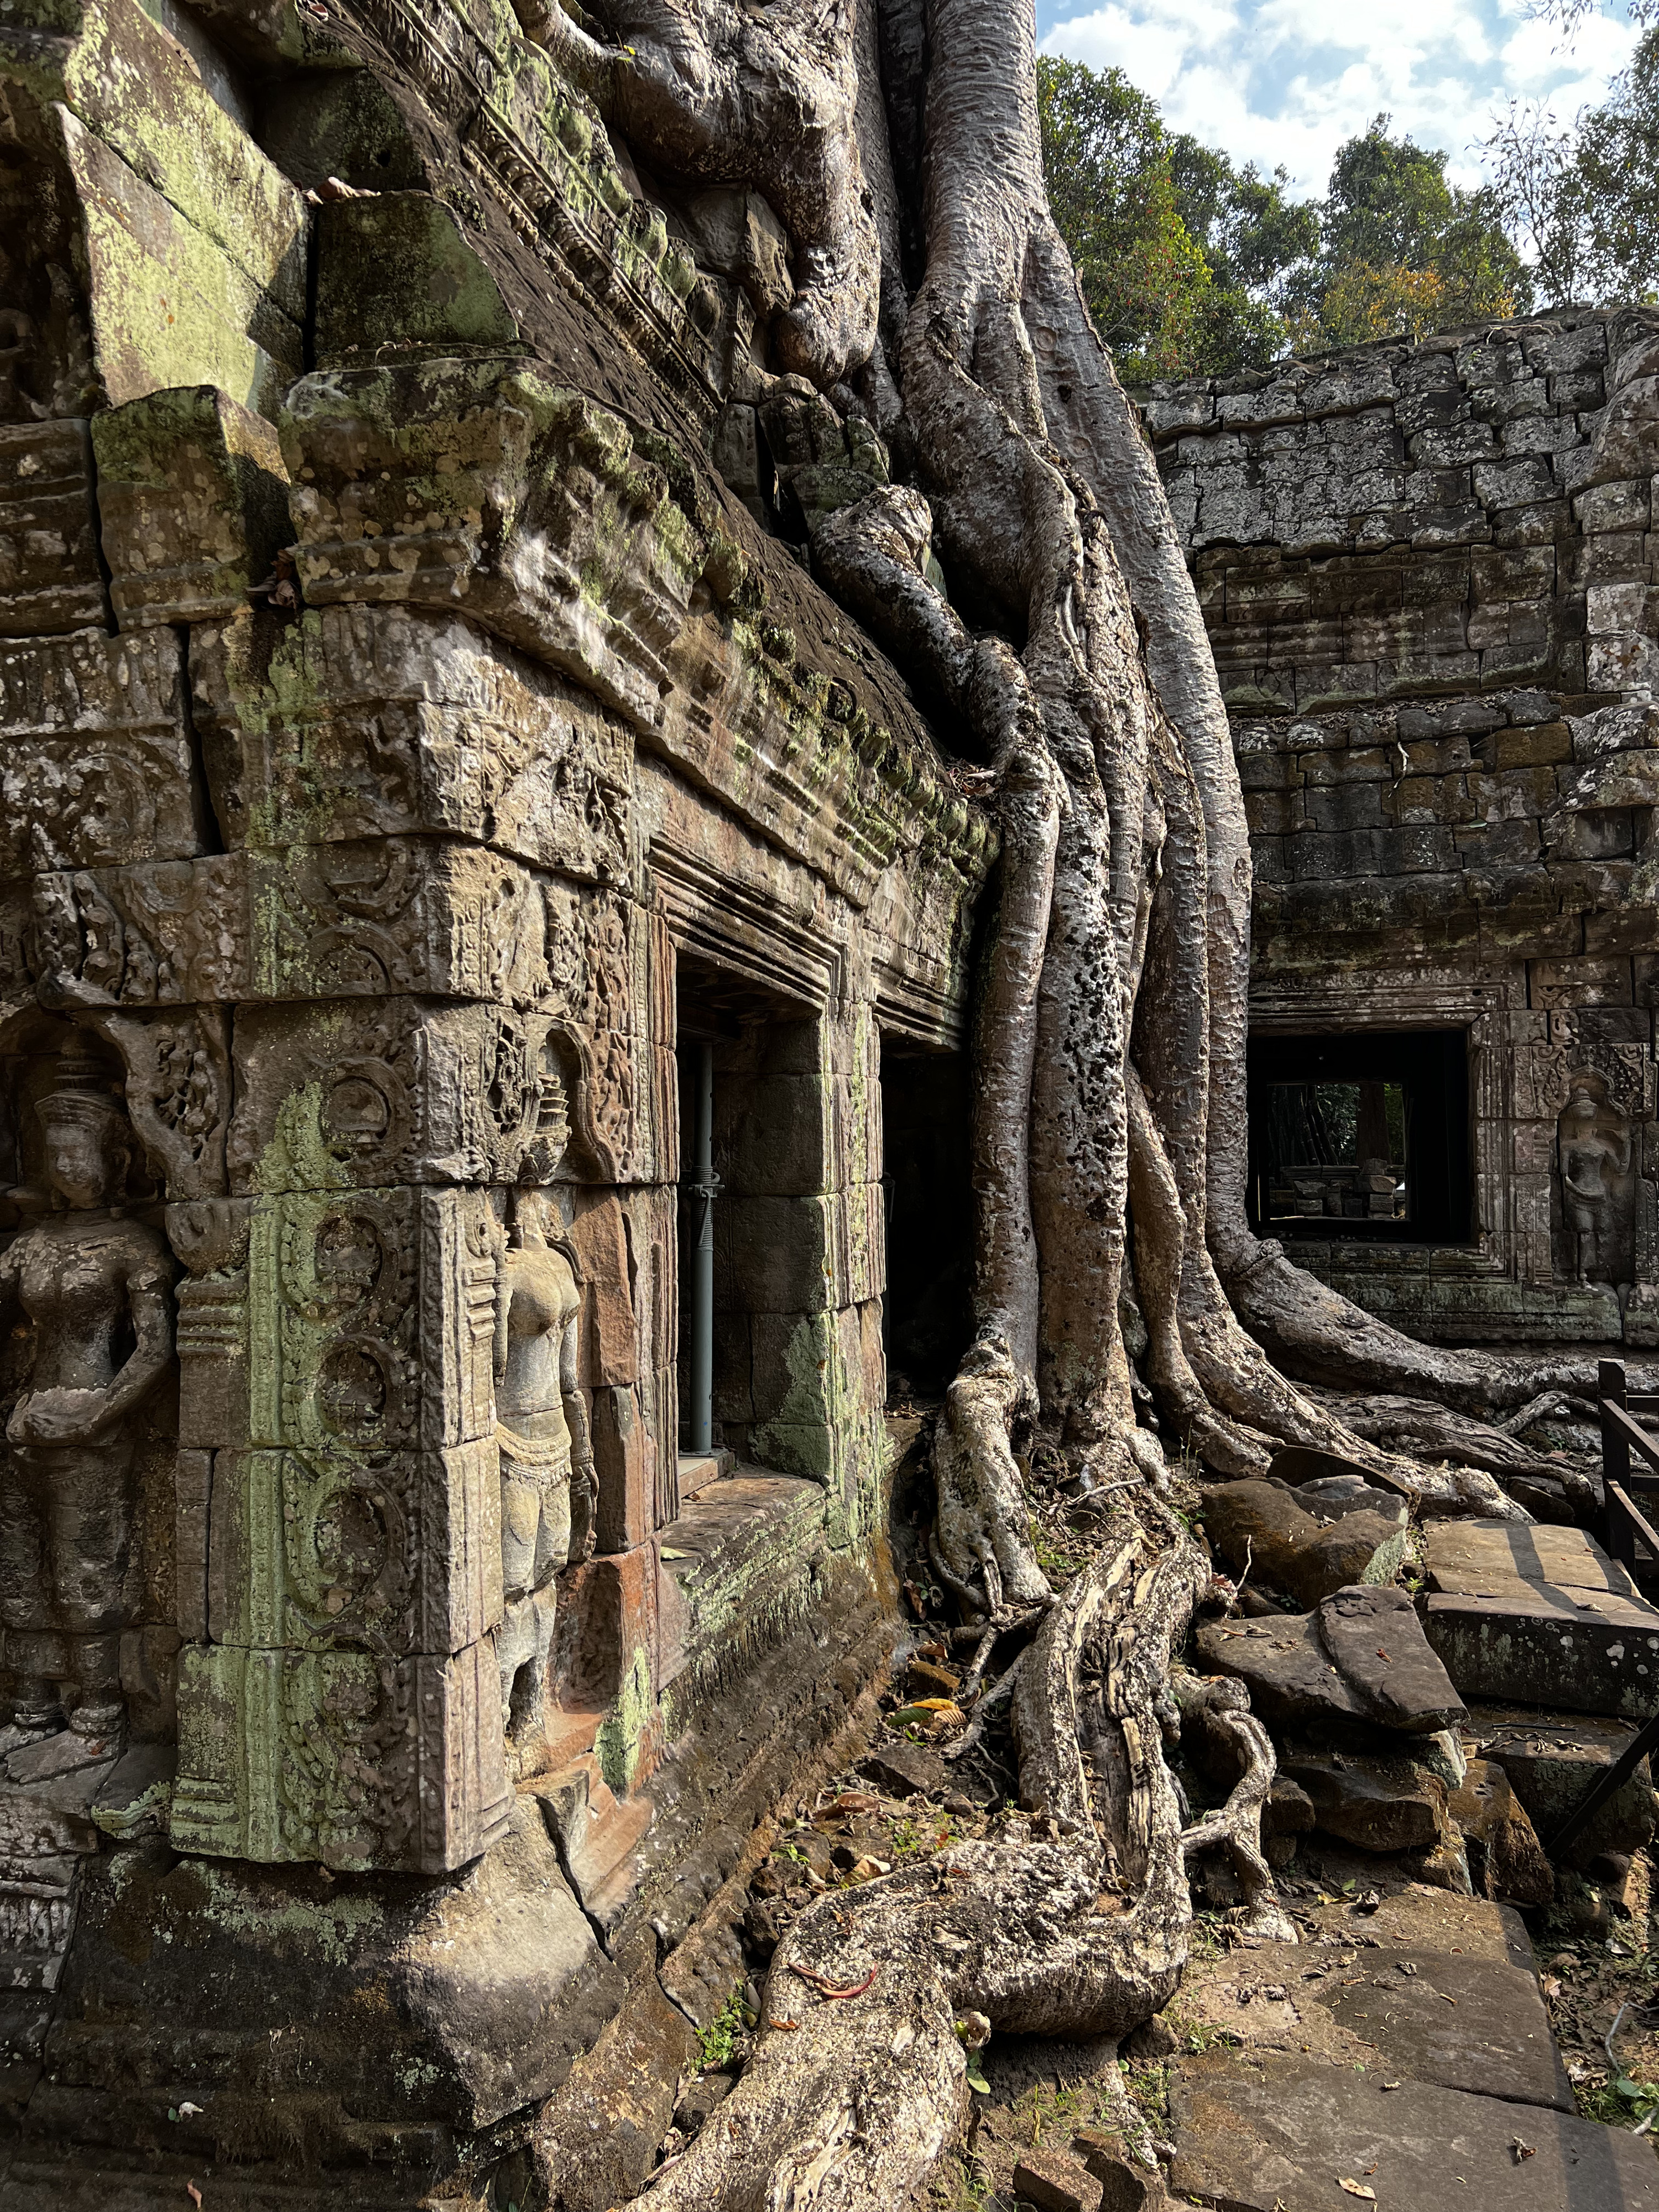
(1286, 81)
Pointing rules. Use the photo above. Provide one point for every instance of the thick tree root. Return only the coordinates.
(1073, 1922)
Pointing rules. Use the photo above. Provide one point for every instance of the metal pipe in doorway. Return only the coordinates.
(704, 1185)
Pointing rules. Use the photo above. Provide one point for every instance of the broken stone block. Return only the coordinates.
(192, 503)
(1123, 2187)
(1552, 1761)
(1056, 2183)
(1288, 1810)
(95, 737)
(1505, 1856)
(49, 530)
(1376, 1804)
(1373, 1638)
(1361, 1658)
(1282, 1658)
(905, 1770)
(1259, 1527)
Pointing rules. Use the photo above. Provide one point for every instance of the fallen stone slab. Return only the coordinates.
(1459, 2019)
(1330, 1496)
(1468, 2024)
(1124, 2187)
(1477, 1559)
(1282, 1659)
(1362, 1657)
(1261, 1527)
(1278, 2132)
(1552, 1760)
(1373, 1638)
(1417, 1919)
(1587, 1650)
(1376, 1804)
(1056, 2183)
(906, 1770)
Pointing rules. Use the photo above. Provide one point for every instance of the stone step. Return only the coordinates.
(1540, 1616)
(1552, 1760)
(1281, 2131)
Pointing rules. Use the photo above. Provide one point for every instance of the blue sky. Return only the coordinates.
(1287, 81)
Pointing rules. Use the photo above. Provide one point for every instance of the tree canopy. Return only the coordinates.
(1192, 266)
(1583, 195)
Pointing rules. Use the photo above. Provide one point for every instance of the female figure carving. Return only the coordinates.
(95, 1291)
(546, 1455)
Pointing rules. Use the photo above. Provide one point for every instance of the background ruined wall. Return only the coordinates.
(1427, 576)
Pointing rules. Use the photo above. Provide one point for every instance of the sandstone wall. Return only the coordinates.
(1427, 574)
(397, 704)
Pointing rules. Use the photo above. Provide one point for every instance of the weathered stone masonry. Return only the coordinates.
(1427, 574)
(398, 708)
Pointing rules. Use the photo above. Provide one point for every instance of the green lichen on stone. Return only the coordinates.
(620, 1742)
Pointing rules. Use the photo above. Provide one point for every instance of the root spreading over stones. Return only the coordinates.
(1110, 1124)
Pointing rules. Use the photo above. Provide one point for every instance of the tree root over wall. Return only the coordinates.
(1109, 1123)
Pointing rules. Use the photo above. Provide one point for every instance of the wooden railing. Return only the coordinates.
(1630, 1472)
(1630, 1466)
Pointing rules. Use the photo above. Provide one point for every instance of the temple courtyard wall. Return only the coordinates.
(1427, 574)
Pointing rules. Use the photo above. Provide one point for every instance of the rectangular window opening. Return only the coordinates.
(1364, 1135)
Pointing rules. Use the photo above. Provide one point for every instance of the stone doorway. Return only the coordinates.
(926, 1177)
(751, 1061)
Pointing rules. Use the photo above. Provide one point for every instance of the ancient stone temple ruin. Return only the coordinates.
(439, 812)
(1426, 573)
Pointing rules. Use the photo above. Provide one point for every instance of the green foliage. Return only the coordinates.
(1179, 255)
(1402, 251)
(1585, 196)
(718, 2041)
(1193, 267)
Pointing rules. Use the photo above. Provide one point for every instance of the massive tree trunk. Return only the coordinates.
(1109, 1119)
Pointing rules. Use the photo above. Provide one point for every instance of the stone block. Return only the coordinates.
(192, 504)
(49, 567)
(368, 721)
(143, 251)
(339, 1756)
(401, 1552)
(776, 1255)
(171, 118)
(1054, 2182)
(446, 2005)
(371, 1320)
(1552, 1761)
(483, 482)
(1585, 1651)
(1375, 1804)
(96, 764)
(1513, 482)
(1505, 1858)
(1614, 506)
(321, 921)
(394, 271)
(1372, 1637)
(1279, 2129)
(1271, 1528)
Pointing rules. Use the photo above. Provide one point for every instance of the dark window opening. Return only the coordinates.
(1364, 1135)
(926, 1184)
(741, 1310)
